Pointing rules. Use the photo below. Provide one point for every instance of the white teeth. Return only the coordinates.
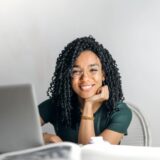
(85, 87)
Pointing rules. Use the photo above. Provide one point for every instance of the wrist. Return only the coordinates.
(87, 117)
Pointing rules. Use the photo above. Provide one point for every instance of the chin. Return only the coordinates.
(86, 96)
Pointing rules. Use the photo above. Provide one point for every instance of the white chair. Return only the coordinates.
(138, 131)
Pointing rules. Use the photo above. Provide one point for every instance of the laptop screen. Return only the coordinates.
(19, 118)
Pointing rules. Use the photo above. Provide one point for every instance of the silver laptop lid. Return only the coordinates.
(19, 118)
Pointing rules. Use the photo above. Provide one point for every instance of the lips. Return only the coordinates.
(86, 87)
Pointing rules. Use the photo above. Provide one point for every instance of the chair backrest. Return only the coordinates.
(138, 131)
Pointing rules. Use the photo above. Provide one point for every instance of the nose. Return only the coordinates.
(84, 76)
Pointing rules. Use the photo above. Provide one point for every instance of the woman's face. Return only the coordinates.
(87, 75)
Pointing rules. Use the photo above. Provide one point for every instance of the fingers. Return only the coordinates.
(104, 92)
(102, 95)
(99, 90)
(50, 138)
(54, 139)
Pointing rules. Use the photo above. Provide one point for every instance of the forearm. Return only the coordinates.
(51, 138)
(86, 129)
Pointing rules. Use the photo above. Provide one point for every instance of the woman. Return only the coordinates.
(85, 96)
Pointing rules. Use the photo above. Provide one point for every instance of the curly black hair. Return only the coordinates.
(60, 91)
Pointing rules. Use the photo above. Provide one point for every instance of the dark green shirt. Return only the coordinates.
(117, 120)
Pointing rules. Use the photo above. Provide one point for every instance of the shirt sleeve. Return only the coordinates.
(46, 110)
(120, 118)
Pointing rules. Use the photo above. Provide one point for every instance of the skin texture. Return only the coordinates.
(86, 81)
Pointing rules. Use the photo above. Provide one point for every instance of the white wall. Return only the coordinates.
(33, 33)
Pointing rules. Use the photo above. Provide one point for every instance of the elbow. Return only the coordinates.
(83, 141)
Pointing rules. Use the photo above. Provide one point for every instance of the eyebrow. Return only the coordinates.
(91, 65)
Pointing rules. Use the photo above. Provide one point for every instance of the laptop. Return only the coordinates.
(19, 118)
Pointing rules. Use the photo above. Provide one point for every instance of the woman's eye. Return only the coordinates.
(76, 72)
(93, 70)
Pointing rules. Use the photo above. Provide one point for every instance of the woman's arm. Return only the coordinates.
(86, 130)
(91, 105)
(112, 136)
(49, 138)
(120, 122)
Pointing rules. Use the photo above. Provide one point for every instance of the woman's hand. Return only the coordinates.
(101, 95)
(51, 138)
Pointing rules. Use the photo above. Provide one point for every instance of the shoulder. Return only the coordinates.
(120, 118)
(46, 110)
(47, 104)
(123, 109)
(122, 113)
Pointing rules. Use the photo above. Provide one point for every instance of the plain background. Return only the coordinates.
(33, 33)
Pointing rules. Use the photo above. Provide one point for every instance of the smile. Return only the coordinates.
(86, 87)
